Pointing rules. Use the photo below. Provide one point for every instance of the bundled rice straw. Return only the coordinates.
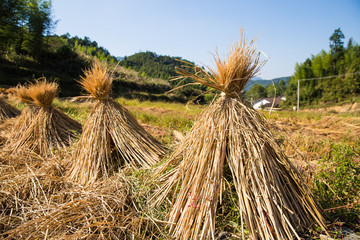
(41, 127)
(111, 135)
(22, 122)
(7, 111)
(272, 198)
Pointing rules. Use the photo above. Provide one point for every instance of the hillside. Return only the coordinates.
(28, 52)
(152, 65)
(327, 78)
(64, 58)
(160, 66)
(63, 61)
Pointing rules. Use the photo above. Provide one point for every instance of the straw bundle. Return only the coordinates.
(272, 198)
(111, 136)
(22, 122)
(7, 111)
(41, 127)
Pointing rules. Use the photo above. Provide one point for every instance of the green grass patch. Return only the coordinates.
(78, 111)
(171, 116)
(188, 108)
(337, 184)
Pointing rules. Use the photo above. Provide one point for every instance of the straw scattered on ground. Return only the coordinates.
(37, 202)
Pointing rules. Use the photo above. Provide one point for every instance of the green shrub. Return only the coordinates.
(208, 97)
(337, 184)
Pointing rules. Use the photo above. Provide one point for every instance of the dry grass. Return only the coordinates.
(7, 111)
(36, 202)
(308, 136)
(111, 137)
(22, 94)
(41, 127)
(272, 199)
(11, 91)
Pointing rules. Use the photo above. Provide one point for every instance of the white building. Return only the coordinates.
(268, 102)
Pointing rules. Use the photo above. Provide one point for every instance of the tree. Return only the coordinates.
(336, 44)
(39, 22)
(12, 18)
(279, 88)
(23, 24)
(339, 60)
(336, 47)
(256, 92)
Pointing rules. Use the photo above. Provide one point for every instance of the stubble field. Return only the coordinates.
(37, 202)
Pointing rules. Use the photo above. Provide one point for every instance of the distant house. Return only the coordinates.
(266, 103)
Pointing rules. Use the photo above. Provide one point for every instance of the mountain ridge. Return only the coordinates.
(264, 82)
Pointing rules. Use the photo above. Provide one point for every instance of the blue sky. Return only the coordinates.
(193, 29)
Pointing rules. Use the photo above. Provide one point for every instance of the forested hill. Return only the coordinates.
(28, 51)
(89, 47)
(341, 61)
(59, 58)
(152, 65)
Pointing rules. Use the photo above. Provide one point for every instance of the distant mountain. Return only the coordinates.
(263, 82)
(256, 78)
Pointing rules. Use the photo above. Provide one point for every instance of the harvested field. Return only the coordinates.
(36, 201)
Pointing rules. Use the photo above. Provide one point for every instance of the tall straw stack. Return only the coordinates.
(273, 200)
(41, 127)
(7, 111)
(111, 137)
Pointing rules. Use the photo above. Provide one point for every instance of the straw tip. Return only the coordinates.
(41, 93)
(97, 81)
